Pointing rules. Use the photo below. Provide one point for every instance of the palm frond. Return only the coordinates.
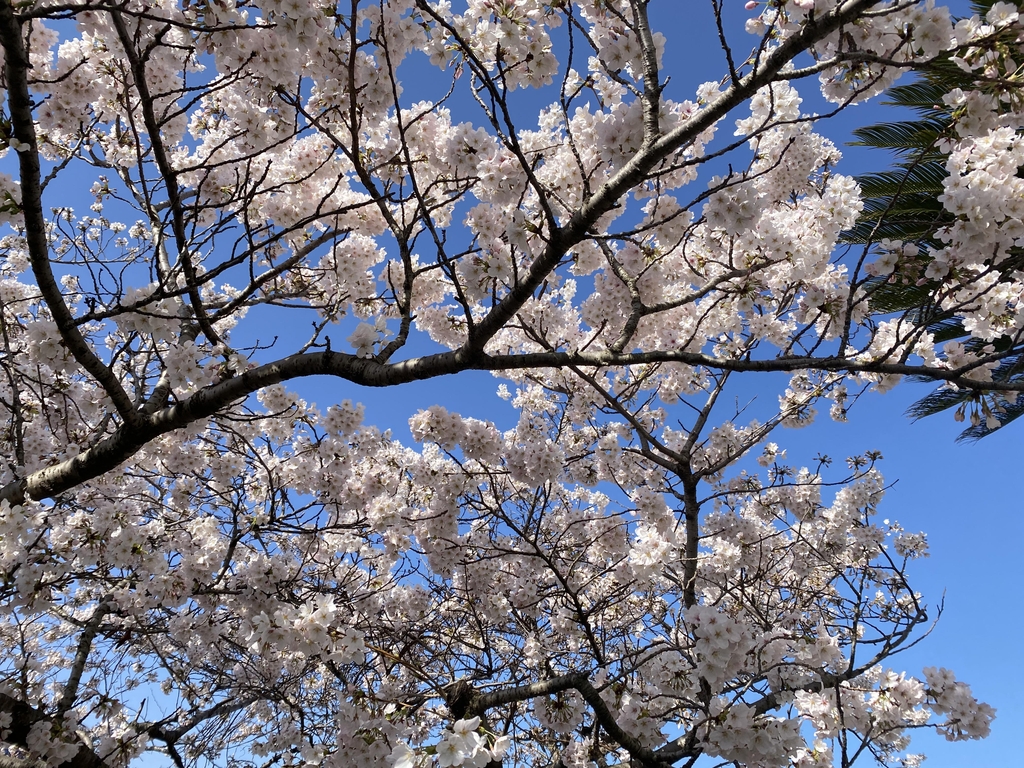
(943, 400)
(922, 178)
(922, 95)
(904, 135)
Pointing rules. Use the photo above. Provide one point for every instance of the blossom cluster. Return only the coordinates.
(462, 745)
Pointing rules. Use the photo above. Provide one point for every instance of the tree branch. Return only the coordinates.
(24, 716)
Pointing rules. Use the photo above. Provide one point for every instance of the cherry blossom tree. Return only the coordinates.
(199, 563)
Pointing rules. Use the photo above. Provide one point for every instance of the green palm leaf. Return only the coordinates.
(904, 135)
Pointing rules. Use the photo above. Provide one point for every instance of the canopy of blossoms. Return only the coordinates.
(197, 562)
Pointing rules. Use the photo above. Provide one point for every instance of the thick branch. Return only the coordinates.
(607, 720)
(24, 716)
(486, 701)
(119, 446)
(651, 99)
(92, 628)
